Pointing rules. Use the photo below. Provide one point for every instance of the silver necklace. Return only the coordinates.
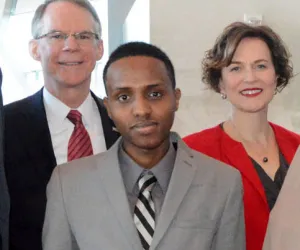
(265, 159)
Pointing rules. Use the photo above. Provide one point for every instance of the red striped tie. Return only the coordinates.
(80, 143)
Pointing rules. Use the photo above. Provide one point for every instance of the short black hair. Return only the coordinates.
(140, 49)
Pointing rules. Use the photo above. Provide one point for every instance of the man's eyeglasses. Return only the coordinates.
(82, 38)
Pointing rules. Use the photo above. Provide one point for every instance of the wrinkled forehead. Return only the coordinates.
(67, 17)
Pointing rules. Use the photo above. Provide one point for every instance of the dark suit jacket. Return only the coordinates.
(29, 161)
(216, 143)
(4, 198)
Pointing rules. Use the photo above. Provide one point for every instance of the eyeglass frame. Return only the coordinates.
(66, 36)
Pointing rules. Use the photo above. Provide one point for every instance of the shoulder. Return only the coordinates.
(210, 165)
(281, 131)
(204, 139)
(215, 177)
(210, 170)
(23, 105)
(80, 169)
(206, 134)
(285, 136)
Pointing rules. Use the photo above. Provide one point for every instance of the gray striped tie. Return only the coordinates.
(144, 212)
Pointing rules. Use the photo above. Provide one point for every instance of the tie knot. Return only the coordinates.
(75, 117)
(146, 182)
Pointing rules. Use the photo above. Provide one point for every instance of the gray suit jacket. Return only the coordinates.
(283, 231)
(88, 208)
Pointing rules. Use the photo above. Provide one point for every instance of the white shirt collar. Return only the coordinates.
(57, 111)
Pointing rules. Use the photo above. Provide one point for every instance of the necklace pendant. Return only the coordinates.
(265, 159)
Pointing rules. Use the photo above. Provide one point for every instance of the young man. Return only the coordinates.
(42, 130)
(149, 191)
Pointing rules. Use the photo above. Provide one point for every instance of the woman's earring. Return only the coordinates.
(224, 96)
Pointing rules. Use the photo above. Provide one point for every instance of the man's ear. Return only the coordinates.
(106, 104)
(100, 50)
(177, 97)
(33, 50)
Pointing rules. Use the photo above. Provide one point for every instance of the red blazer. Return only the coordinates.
(215, 143)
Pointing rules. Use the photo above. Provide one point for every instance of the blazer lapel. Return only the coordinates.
(181, 179)
(113, 184)
(287, 143)
(236, 155)
(40, 138)
(109, 130)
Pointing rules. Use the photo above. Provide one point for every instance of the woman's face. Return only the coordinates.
(250, 80)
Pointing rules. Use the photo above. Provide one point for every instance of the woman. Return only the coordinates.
(248, 65)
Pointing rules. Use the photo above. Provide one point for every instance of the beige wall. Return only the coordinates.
(186, 29)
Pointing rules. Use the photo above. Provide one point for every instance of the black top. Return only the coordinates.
(272, 188)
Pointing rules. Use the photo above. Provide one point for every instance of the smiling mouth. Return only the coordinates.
(251, 91)
(70, 63)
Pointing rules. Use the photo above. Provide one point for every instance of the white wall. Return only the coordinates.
(24, 6)
(186, 29)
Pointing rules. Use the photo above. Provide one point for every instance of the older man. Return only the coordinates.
(62, 122)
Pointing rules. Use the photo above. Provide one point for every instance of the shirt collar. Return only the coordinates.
(131, 171)
(57, 111)
(86, 109)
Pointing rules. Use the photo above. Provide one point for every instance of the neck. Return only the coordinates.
(72, 97)
(249, 127)
(147, 158)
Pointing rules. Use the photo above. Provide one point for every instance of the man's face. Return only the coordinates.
(66, 63)
(141, 101)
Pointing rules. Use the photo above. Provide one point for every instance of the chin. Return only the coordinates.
(148, 143)
(71, 83)
(256, 109)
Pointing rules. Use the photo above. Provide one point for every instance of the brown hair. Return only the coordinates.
(221, 54)
(37, 23)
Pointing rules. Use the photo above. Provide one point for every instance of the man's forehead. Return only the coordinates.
(67, 16)
(138, 64)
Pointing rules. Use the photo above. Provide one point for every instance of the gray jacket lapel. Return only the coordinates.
(180, 182)
(113, 184)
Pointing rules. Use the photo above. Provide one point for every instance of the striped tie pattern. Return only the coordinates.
(144, 212)
(80, 143)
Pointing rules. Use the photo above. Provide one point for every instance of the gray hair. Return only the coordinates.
(36, 24)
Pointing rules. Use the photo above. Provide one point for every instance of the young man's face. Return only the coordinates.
(141, 101)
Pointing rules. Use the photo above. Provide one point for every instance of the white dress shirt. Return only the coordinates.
(61, 128)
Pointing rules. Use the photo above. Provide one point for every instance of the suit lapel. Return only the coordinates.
(181, 180)
(113, 184)
(236, 156)
(287, 142)
(40, 138)
(110, 133)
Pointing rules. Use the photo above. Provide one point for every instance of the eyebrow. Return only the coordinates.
(256, 61)
(147, 87)
(54, 30)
